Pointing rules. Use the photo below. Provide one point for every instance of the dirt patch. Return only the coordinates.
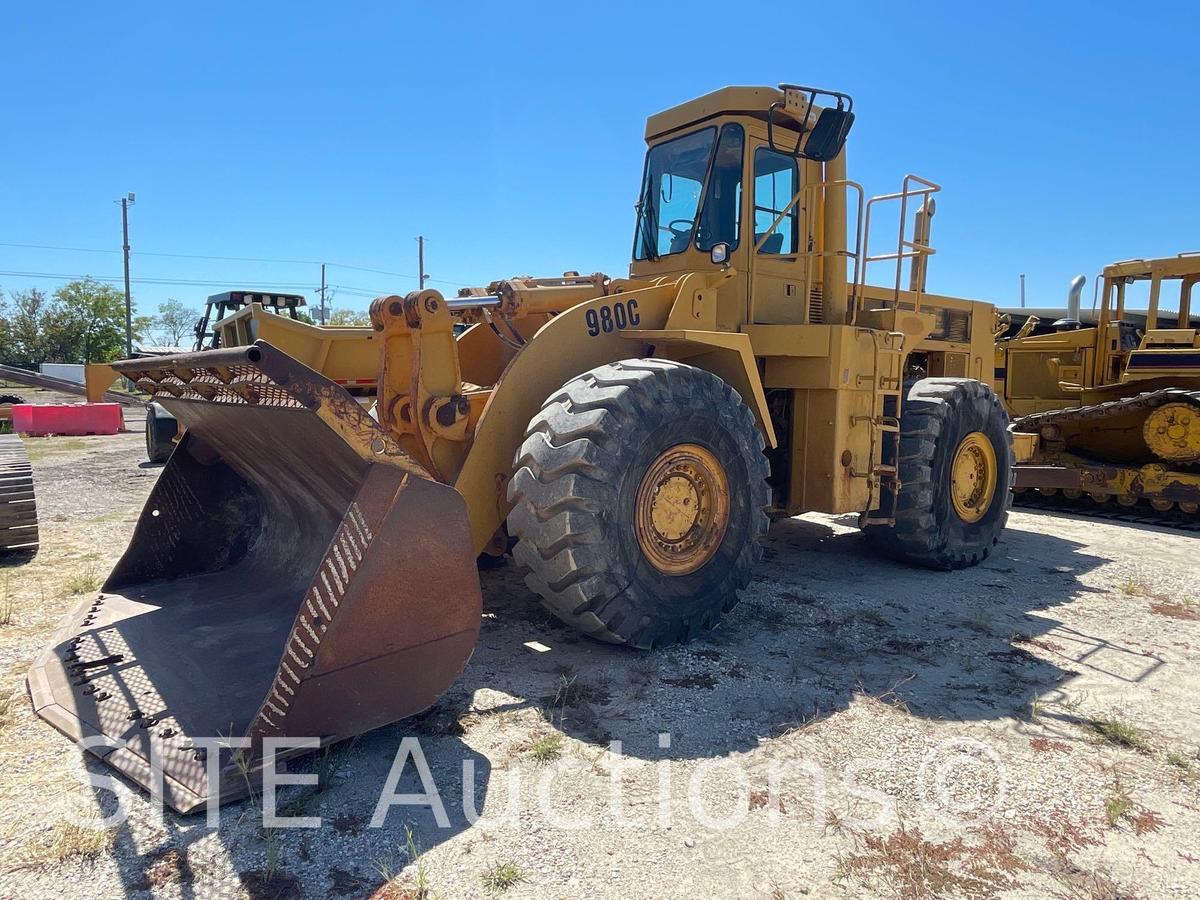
(702, 681)
(1186, 611)
(1045, 745)
(271, 885)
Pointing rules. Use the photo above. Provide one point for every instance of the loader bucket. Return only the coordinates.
(293, 574)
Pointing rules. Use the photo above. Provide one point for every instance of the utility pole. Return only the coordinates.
(323, 318)
(126, 202)
(1022, 290)
(421, 260)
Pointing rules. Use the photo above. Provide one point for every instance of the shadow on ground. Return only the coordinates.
(824, 621)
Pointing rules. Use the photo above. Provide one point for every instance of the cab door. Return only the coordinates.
(777, 266)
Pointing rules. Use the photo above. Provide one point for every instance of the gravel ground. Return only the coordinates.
(854, 728)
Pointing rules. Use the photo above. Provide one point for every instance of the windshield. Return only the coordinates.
(670, 197)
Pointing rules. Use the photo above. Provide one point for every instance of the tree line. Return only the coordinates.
(84, 321)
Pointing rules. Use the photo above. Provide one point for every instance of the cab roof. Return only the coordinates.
(738, 101)
(1179, 266)
(266, 298)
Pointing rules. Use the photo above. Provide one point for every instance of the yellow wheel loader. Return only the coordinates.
(1109, 413)
(303, 568)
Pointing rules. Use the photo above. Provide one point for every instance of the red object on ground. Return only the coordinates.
(40, 419)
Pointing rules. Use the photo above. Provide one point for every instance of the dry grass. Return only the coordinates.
(1118, 733)
(6, 601)
(1076, 883)
(1133, 587)
(1120, 806)
(1116, 805)
(1162, 605)
(83, 582)
(1181, 762)
(1063, 835)
(399, 887)
(500, 876)
(167, 868)
(573, 692)
(545, 749)
(44, 447)
(8, 706)
(907, 866)
(1145, 821)
(65, 841)
(980, 621)
(887, 699)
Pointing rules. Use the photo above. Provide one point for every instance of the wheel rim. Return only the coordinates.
(973, 477)
(1173, 432)
(682, 509)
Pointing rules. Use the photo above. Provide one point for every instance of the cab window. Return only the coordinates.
(721, 219)
(670, 197)
(775, 183)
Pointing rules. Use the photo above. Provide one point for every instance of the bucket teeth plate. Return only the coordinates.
(293, 574)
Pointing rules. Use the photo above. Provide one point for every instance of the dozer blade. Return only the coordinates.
(293, 574)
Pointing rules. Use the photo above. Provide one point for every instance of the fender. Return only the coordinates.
(729, 356)
(631, 322)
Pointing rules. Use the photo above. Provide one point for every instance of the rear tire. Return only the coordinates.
(161, 429)
(940, 417)
(615, 460)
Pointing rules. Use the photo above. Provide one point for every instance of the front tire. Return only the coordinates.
(161, 429)
(639, 501)
(955, 468)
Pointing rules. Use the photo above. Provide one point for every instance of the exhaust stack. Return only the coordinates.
(1070, 322)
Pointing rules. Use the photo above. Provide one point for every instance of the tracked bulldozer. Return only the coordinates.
(303, 568)
(1109, 411)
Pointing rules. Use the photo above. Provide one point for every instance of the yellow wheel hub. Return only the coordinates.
(682, 509)
(1173, 432)
(973, 477)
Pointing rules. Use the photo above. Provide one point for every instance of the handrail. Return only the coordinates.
(905, 249)
(855, 254)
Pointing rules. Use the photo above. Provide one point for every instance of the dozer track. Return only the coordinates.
(1089, 467)
(1139, 403)
(294, 574)
(1141, 514)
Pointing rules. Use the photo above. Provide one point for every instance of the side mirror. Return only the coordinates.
(825, 137)
(828, 136)
(719, 254)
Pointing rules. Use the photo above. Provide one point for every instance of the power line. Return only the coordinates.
(352, 290)
(59, 276)
(204, 256)
(53, 247)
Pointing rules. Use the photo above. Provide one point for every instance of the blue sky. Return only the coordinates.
(1065, 134)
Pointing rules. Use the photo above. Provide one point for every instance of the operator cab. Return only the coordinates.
(731, 179)
(218, 306)
(1169, 342)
